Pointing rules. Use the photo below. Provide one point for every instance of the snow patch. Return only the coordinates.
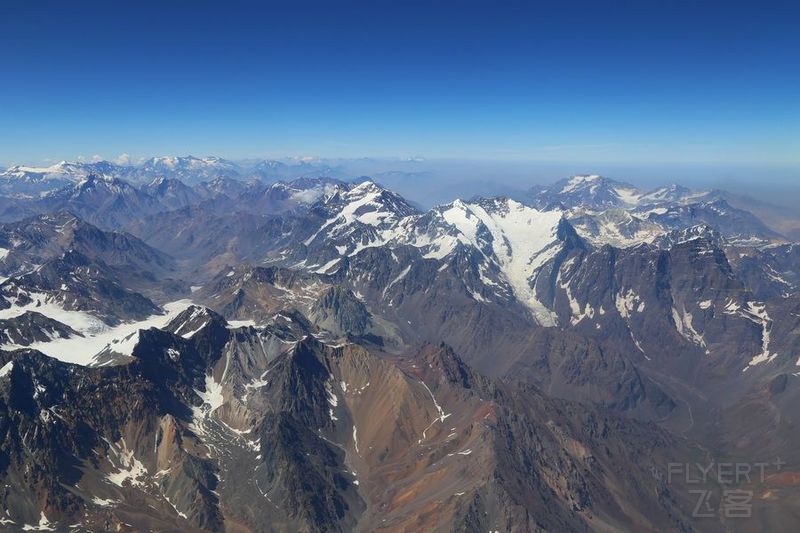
(44, 525)
(121, 338)
(628, 302)
(757, 312)
(683, 323)
(442, 415)
(327, 266)
(130, 469)
(103, 503)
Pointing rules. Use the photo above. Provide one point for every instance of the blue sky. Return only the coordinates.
(638, 83)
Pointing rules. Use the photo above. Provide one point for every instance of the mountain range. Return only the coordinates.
(190, 347)
(25, 180)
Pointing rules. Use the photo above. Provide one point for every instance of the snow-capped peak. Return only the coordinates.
(576, 182)
(672, 193)
(519, 239)
(350, 210)
(597, 192)
(188, 161)
(188, 169)
(591, 190)
(63, 170)
(311, 195)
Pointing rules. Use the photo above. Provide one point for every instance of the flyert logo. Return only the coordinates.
(735, 480)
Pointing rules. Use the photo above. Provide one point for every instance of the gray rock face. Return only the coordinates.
(107, 202)
(768, 272)
(339, 311)
(36, 240)
(172, 193)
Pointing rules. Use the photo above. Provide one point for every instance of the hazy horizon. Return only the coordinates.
(429, 181)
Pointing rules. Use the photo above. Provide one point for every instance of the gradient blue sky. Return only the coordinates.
(639, 83)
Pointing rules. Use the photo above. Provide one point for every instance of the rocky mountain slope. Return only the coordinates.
(324, 439)
(318, 355)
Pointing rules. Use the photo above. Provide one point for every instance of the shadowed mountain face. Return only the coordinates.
(76, 283)
(33, 241)
(225, 354)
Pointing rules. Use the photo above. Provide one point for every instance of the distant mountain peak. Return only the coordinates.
(580, 180)
(589, 190)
